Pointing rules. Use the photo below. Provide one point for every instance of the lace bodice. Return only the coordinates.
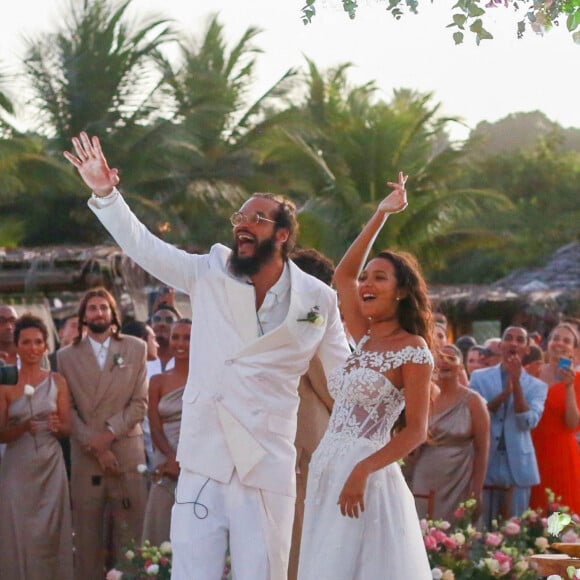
(366, 403)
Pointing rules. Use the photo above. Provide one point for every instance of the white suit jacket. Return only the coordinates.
(241, 398)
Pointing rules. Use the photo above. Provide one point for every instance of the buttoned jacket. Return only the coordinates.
(240, 402)
(115, 396)
(516, 427)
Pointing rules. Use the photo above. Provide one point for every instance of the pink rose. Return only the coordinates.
(449, 543)
(504, 561)
(493, 539)
(114, 575)
(570, 537)
(512, 528)
(430, 542)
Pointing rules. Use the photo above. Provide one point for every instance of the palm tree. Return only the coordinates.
(210, 150)
(96, 73)
(360, 143)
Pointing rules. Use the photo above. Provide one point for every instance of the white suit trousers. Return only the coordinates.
(206, 513)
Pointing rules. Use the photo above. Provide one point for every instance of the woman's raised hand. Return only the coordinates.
(396, 201)
(92, 165)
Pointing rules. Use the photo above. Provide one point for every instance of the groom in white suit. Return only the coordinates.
(260, 320)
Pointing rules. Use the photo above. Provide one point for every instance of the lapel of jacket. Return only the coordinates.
(241, 300)
(107, 375)
(288, 330)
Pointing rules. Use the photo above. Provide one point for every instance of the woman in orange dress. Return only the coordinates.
(554, 437)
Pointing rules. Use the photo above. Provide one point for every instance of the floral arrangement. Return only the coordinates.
(147, 562)
(313, 316)
(461, 551)
(118, 360)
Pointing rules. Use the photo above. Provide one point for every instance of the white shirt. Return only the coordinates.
(101, 349)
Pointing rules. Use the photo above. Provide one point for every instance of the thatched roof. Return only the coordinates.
(537, 296)
(561, 272)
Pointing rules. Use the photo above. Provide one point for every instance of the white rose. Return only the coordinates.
(492, 565)
(142, 468)
(114, 575)
(541, 543)
(555, 577)
(152, 570)
(129, 554)
(521, 565)
(448, 575)
(165, 548)
(319, 320)
(28, 390)
(459, 538)
(436, 574)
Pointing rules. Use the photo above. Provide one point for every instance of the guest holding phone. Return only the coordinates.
(554, 437)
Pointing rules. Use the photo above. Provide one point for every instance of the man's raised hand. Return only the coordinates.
(92, 165)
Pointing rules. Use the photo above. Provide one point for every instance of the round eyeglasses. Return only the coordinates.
(239, 217)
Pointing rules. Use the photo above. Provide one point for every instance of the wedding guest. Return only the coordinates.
(164, 315)
(515, 401)
(263, 320)
(106, 374)
(440, 337)
(464, 343)
(492, 352)
(313, 410)
(143, 331)
(475, 359)
(165, 405)
(35, 518)
(8, 318)
(453, 460)
(534, 360)
(554, 437)
(387, 311)
(68, 330)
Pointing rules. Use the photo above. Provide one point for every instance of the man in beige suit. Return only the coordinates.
(106, 374)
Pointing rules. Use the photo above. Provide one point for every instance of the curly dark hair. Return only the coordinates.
(285, 217)
(28, 320)
(414, 312)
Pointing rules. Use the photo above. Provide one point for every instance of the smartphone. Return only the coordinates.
(564, 363)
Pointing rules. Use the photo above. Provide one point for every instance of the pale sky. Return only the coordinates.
(486, 82)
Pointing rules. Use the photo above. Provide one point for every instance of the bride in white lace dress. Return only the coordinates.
(360, 519)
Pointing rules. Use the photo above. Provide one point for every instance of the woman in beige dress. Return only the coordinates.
(165, 402)
(35, 517)
(453, 460)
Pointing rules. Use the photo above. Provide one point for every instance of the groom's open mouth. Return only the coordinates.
(245, 242)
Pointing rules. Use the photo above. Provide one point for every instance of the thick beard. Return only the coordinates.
(99, 327)
(249, 266)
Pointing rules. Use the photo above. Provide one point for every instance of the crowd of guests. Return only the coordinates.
(90, 431)
(507, 437)
(95, 426)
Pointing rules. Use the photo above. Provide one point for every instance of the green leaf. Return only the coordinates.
(458, 37)
(573, 20)
(474, 10)
(459, 20)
